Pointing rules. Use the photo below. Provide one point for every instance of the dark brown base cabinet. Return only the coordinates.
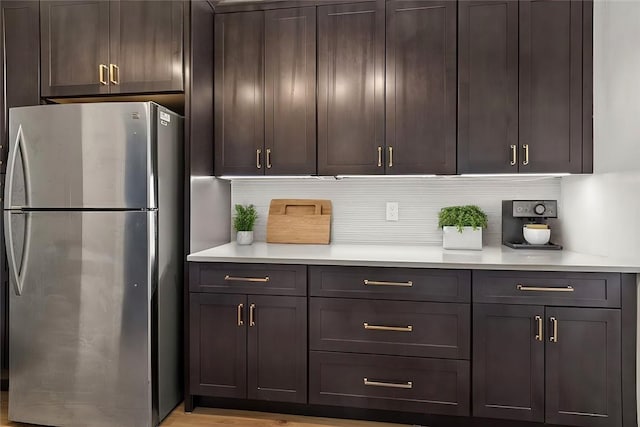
(248, 346)
(425, 346)
(548, 363)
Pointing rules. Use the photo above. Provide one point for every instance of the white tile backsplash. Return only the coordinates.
(359, 204)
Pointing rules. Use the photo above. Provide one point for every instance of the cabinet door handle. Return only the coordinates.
(114, 74)
(240, 321)
(407, 385)
(525, 288)
(377, 283)
(258, 152)
(246, 279)
(408, 328)
(252, 310)
(526, 154)
(390, 156)
(554, 325)
(539, 336)
(102, 70)
(268, 158)
(379, 157)
(514, 154)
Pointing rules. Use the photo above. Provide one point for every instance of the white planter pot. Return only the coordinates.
(244, 237)
(468, 239)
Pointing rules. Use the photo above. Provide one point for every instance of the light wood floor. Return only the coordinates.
(230, 418)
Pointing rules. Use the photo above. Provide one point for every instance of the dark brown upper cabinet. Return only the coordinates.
(551, 89)
(19, 76)
(525, 106)
(488, 86)
(559, 365)
(420, 87)
(351, 46)
(146, 46)
(265, 85)
(102, 47)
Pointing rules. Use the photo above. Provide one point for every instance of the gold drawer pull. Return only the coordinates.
(252, 311)
(539, 336)
(408, 384)
(544, 288)
(388, 328)
(240, 321)
(514, 155)
(102, 69)
(526, 154)
(376, 283)
(246, 279)
(554, 337)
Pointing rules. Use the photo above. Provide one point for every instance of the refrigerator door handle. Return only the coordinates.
(18, 275)
(11, 171)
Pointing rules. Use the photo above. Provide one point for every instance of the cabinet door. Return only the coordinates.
(277, 356)
(218, 345)
(508, 362)
(351, 89)
(550, 124)
(421, 87)
(488, 86)
(583, 372)
(146, 46)
(75, 43)
(290, 91)
(239, 90)
(21, 40)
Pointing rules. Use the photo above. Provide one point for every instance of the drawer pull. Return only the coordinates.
(407, 385)
(246, 279)
(240, 321)
(554, 322)
(388, 328)
(376, 283)
(539, 336)
(252, 311)
(544, 288)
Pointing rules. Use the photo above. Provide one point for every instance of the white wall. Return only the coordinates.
(616, 67)
(359, 203)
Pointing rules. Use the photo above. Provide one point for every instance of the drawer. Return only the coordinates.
(404, 328)
(390, 283)
(547, 288)
(395, 383)
(258, 279)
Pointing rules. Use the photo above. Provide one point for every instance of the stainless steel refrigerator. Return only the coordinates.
(93, 231)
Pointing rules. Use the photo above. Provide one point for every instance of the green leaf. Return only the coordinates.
(462, 216)
(245, 217)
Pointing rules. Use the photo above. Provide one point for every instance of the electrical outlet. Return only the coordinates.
(392, 211)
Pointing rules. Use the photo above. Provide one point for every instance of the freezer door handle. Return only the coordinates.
(18, 146)
(18, 274)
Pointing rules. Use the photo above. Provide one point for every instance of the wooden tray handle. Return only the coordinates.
(318, 207)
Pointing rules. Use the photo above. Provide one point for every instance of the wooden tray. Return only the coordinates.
(299, 221)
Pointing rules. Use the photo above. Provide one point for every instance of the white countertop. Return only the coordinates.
(499, 258)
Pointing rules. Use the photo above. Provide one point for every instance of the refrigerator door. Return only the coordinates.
(81, 156)
(80, 317)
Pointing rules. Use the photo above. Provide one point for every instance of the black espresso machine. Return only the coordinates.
(517, 213)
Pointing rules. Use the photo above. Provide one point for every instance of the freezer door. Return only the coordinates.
(80, 307)
(81, 156)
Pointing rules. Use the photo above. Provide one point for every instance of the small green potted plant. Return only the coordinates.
(462, 227)
(243, 223)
